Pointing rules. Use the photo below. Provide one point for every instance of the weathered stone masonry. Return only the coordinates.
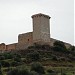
(40, 34)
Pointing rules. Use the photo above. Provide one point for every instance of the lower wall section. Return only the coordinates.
(53, 40)
(25, 40)
(2, 46)
(11, 46)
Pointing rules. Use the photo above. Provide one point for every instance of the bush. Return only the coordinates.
(37, 67)
(5, 63)
(14, 63)
(54, 58)
(1, 72)
(33, 56)
(64, 74)
(58, 48)
(23, 72)
(50, 71)
(0, 66)
(72, 48)
(60, 43)
(13, 72)
(46, 47)
(8, 55)
(17, 59)
(2, 57)
(33, 73)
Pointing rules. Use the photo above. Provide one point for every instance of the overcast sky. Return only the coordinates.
(15, 18)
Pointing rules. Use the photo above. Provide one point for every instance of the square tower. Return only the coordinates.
(41, 28)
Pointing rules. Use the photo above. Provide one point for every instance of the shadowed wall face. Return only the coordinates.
(25, 40)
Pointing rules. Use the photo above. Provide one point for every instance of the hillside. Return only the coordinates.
(54, 59)
(55, 55)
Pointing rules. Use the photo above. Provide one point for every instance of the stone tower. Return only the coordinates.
(41, 28)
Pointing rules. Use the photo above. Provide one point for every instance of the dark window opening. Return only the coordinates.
(28, 39)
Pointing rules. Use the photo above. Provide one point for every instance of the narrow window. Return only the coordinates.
(28, 39)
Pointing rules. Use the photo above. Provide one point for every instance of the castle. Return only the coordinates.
(40, 34)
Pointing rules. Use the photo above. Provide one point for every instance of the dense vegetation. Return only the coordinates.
(39, 60)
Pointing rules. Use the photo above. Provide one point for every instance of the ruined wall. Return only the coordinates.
(25, 40)
(11, 46)
(53, 40)
(2, 46)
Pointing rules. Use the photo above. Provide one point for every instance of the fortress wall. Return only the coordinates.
(11, 46)
(2, 46)
(25, 40)
(53, 40)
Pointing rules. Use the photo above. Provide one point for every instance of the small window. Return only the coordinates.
(28, 39)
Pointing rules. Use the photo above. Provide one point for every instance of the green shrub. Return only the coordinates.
(13, 72)
(14, 63)
(1, 72)
(23, 72)
(33, 73)
(0, 66)
(2, 57)
(64, 74)
(17, 59)
(37, 67)
(20, 71)
(60, 43)
(54, 58)
(35, 56)
(5, 63)
(50, 71)
(8, 55)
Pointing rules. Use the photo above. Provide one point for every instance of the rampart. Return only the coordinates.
(25, 40)
(11, 46)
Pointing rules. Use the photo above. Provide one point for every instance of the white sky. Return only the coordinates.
(15, 18)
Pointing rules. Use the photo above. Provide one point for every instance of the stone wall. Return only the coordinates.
(41, 28)
(40, 34)
(53, 40)
(2, 46)
(8, 47)
(11, 46)
(25, 40)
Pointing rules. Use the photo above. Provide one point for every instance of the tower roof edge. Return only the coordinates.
(40, 14)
